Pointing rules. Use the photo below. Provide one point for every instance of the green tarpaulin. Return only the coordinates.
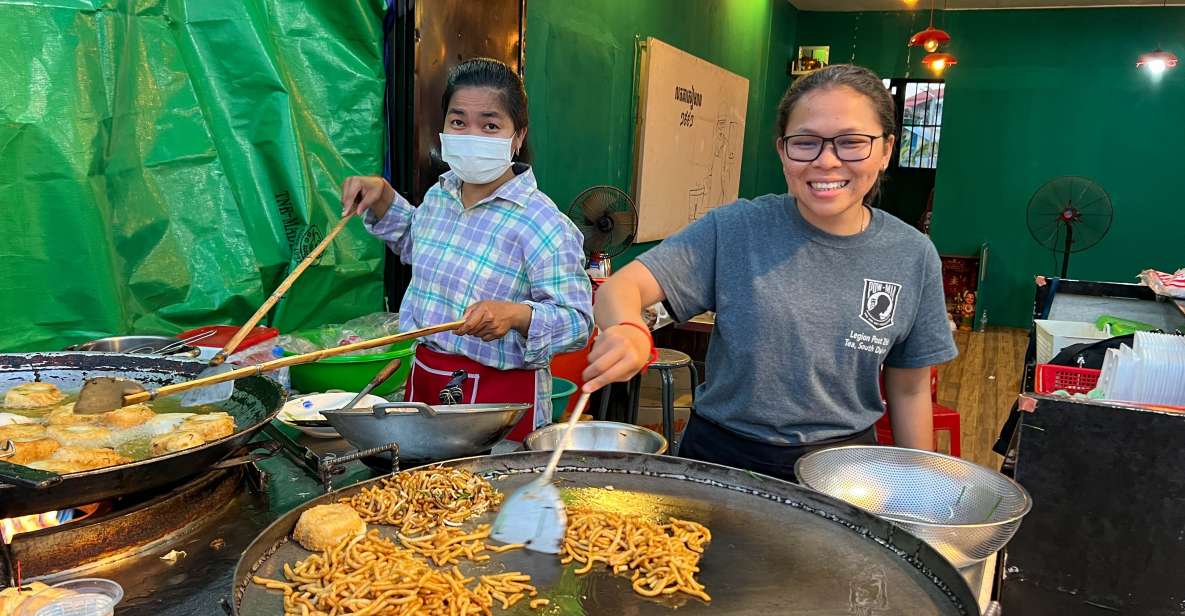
(163, 163)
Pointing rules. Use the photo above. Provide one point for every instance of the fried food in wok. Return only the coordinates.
(325, 526)
(23, 431)
(211, 426)
(80, 436)
(175, 441)
(33, 395)
(65, 416)
(90, 457)
(32, 449)
(128, 416)
(61, 467)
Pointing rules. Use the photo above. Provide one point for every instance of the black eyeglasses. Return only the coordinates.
(850, 148)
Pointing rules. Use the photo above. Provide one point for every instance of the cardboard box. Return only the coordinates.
(651, 417)
(651, 393)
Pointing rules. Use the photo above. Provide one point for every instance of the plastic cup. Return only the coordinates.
(83, 597)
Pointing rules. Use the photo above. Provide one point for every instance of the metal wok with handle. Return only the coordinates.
(255, 401)
(777, 548)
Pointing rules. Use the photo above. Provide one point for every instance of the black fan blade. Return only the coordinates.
(595, 241)
(594, 206)
(625, 224)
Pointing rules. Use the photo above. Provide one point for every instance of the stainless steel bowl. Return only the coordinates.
(965, 511)
(428, 433)
(599, 436)
(142, 345)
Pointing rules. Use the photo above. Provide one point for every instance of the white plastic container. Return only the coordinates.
(1053, 336)
(81, 597)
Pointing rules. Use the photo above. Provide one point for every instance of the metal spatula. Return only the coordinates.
(103, 394)
(534, 514)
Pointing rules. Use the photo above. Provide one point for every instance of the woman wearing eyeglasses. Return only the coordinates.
(814, 292)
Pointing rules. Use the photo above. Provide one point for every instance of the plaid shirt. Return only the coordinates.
(513, 246)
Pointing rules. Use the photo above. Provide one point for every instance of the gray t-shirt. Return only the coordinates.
(804, 319)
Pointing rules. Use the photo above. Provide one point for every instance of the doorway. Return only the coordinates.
(908, 190)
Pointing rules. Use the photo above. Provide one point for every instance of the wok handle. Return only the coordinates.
(331, 461)
(293, 360)
(380, 410)
(331, 464)
(27, 477)
(277, 294)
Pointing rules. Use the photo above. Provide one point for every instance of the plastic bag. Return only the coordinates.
(165, 163)
(1172, 285)
(362, 328)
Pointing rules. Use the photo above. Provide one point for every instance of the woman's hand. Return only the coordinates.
(490, 320)
(620, 352)
(361, 193)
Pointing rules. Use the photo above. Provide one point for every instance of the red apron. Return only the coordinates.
(432, 370)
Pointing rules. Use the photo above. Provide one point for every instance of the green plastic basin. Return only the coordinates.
(353, 372)
(561, 392)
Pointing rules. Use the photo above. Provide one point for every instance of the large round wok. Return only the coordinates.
(777, 548)
(254, 402)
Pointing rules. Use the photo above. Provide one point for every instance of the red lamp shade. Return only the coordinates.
(1157, 61)
(939, 61)
(929, 39)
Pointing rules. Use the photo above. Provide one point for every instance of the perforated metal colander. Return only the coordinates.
(965, 511)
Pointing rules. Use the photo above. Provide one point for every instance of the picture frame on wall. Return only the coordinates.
(810, 58)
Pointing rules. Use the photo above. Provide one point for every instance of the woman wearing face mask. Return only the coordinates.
(485, 245)
(814, 291)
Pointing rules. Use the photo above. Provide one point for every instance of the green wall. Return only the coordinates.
(1039, 94)
(580, 80)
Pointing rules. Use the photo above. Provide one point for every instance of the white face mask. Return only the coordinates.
(475, 159)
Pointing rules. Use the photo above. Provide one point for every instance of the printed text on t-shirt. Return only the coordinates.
(864, 342)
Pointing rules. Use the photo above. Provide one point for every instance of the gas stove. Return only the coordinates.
(174, 549)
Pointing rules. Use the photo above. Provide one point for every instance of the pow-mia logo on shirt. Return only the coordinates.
(880, 303)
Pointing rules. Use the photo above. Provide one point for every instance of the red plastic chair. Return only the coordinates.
(946, 419)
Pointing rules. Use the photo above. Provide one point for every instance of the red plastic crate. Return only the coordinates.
(1051, 378)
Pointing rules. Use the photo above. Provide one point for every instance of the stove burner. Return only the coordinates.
(127, 529)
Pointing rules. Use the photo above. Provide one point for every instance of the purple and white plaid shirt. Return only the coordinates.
(513, 246)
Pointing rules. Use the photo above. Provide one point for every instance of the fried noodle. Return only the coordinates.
(369, 575)
(420, 501)
(664, 558)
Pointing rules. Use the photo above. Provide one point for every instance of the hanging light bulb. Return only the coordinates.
(938, 62)
(1157, 62)
(930, 38)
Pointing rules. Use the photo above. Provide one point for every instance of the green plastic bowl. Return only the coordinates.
(561, 392)
(353, 372)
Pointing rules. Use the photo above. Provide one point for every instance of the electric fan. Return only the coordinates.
(607, 218)
(1069, 214)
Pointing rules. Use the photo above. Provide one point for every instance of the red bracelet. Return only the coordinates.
(649, 336)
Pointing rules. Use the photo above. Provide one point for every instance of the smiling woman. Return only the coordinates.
(487, 246)
(814, 291)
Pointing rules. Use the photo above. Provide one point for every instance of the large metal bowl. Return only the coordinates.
(598, 436)
(963, 510)
(145, 345)
(428, 433)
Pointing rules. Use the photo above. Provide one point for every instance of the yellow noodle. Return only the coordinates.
(663, 558)
(420, 501)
